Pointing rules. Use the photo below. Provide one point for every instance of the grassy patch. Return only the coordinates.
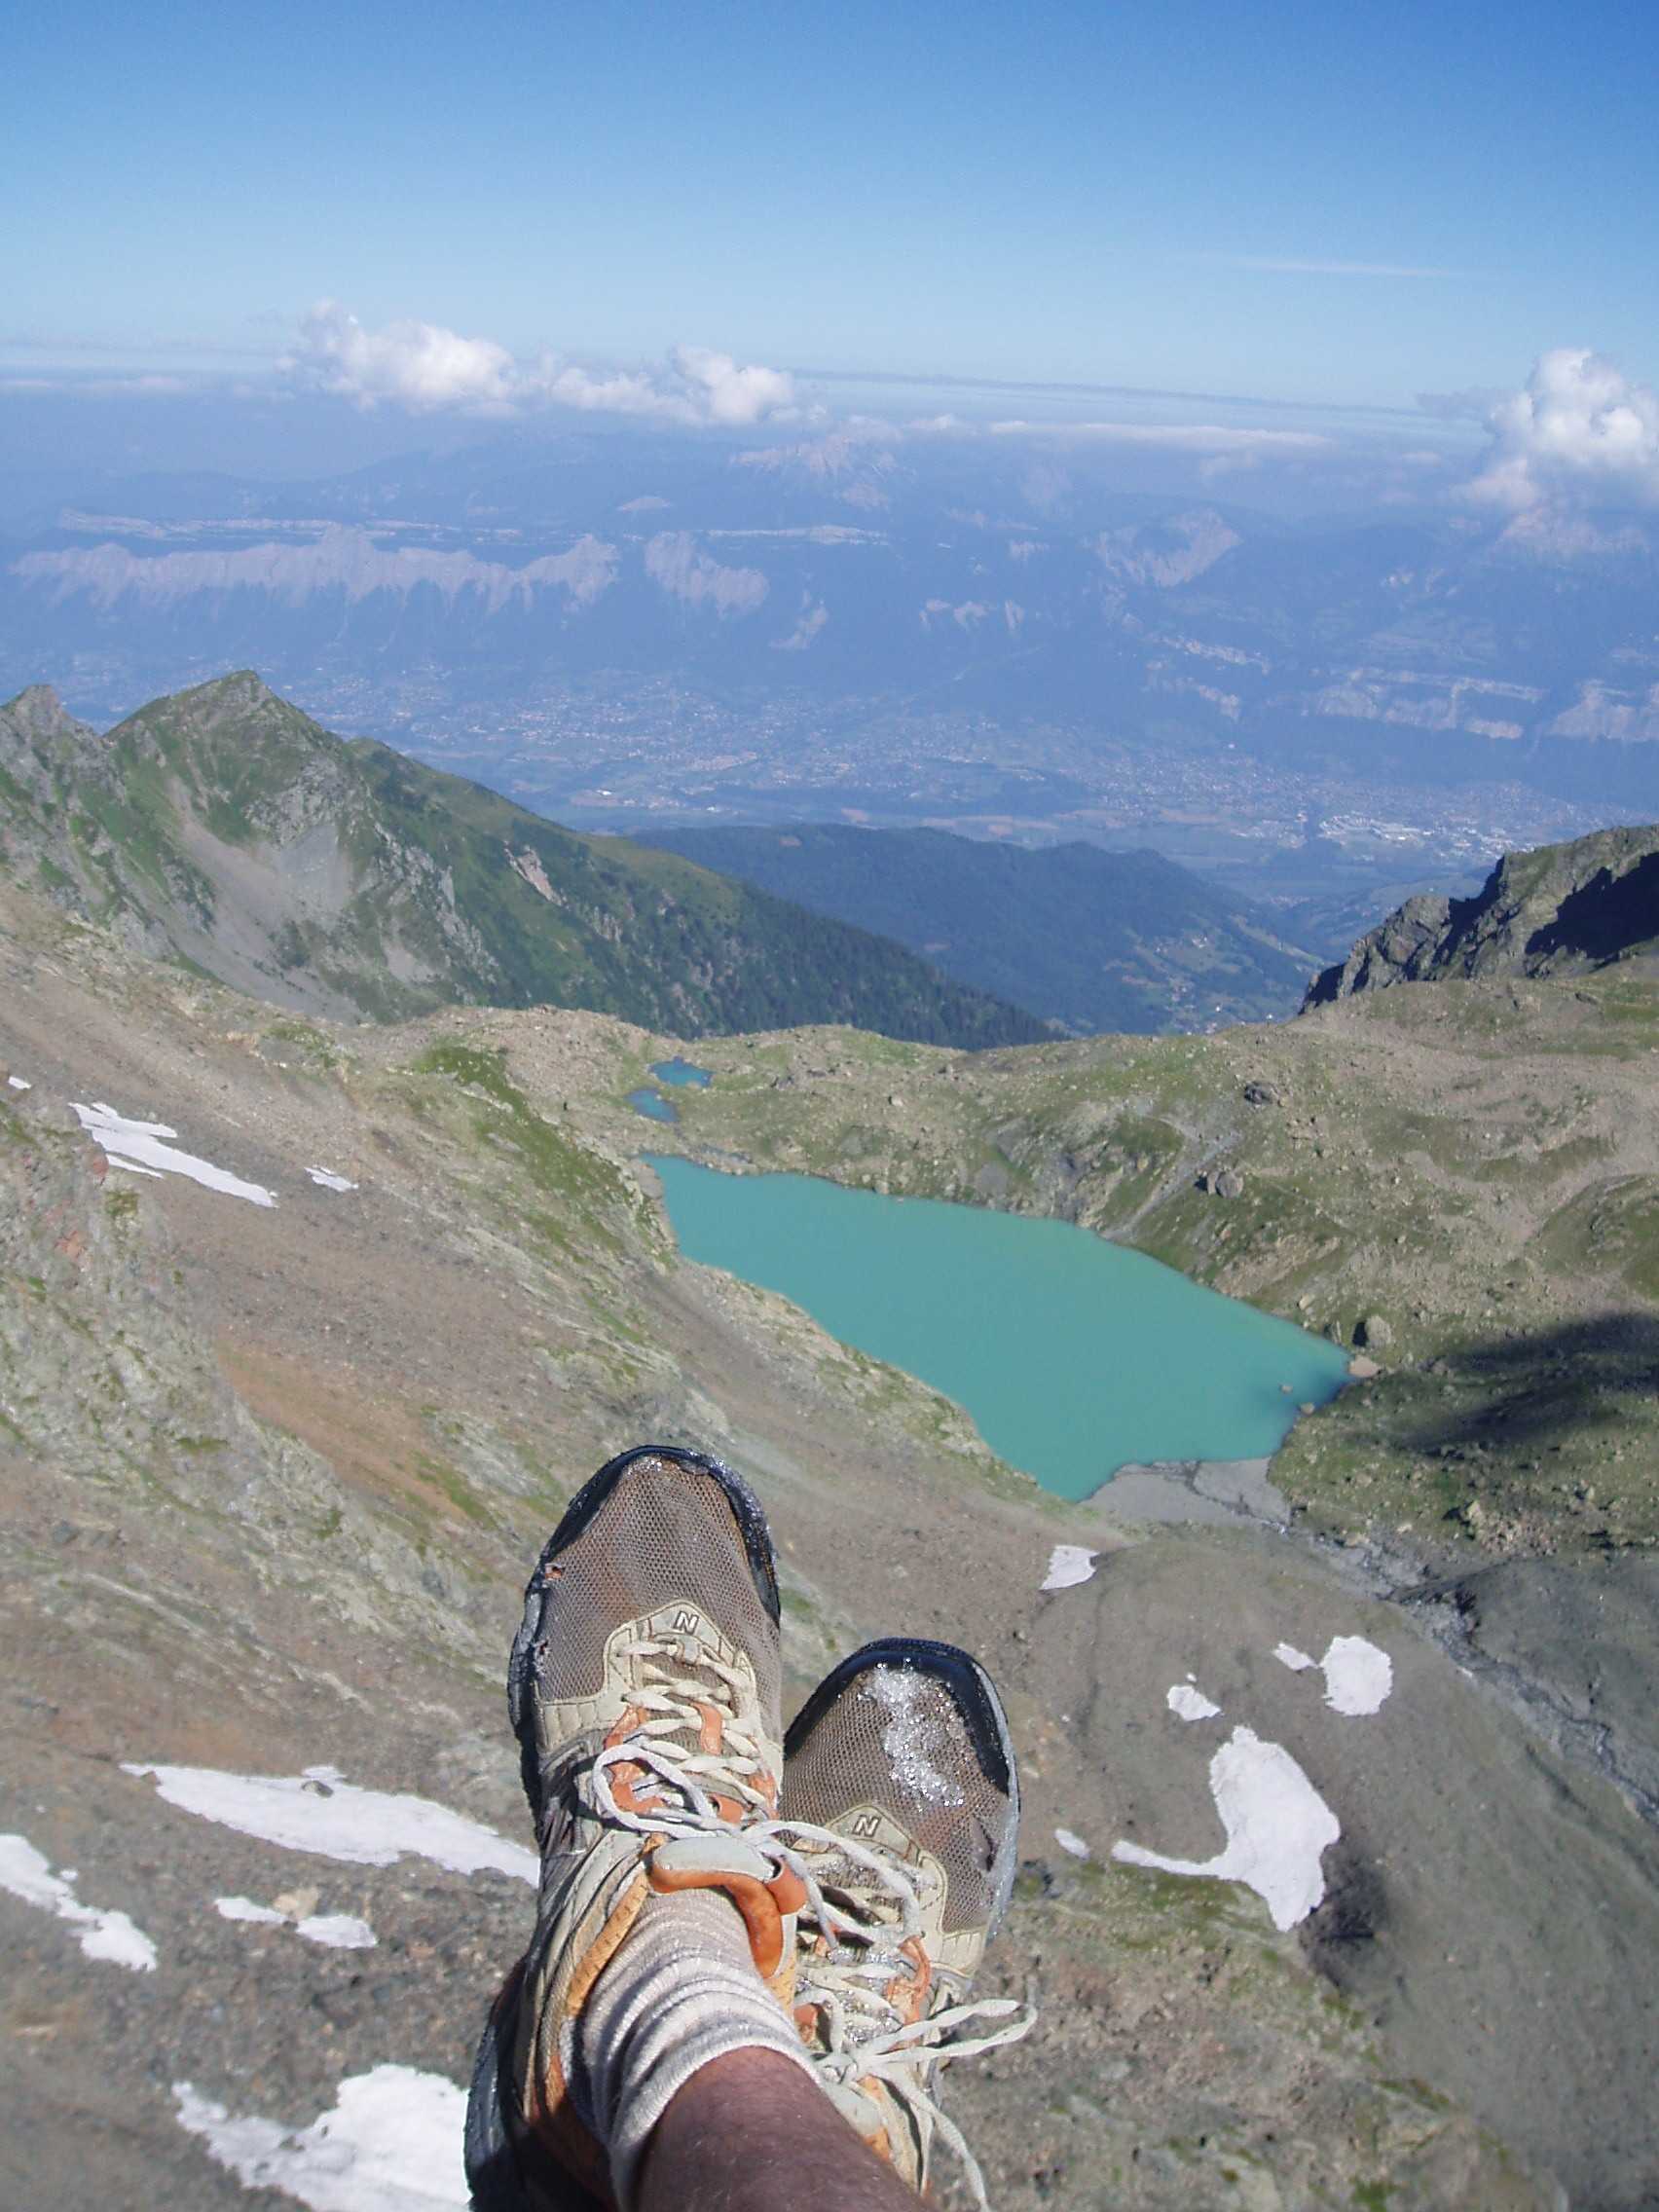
(581, 1183)
(456, 1488)
(1611, 1229)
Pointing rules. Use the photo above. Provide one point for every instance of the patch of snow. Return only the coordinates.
(1358, 1676)
(1277, 1829)
(149, 1144)
(319, 1811)
(131, 1167)
(1068, 1565)
(1190, 1704)
(18, 1083)
(391, 2143)
(338, 1931)
(329, 1180)
(913, 1733)
(101, 1933)
(1068, 1841)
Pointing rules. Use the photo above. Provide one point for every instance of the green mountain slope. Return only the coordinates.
(226, 828)
(1092, 940)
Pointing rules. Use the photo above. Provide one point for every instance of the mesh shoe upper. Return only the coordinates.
(659, 1542)
(906, 1739)
(901, 1795)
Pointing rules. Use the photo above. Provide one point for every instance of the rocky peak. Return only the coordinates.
(1547, 911)
(238, 744)
(38, 736)
(243, 692)
(40, 712)
(38, 717)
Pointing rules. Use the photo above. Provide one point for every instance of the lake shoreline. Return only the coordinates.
(1048, 1337)
(1215, 1492)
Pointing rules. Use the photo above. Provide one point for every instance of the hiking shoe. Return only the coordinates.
(644, 1689)
(902, 1803)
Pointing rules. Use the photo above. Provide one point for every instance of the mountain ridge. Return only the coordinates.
(224, 827)
(1129, 943)
(1554, 909)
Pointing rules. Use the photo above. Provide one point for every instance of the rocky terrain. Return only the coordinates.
(270, 1474)
(224, 829)
(1554, 911)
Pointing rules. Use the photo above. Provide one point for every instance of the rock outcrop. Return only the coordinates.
(1544, 912)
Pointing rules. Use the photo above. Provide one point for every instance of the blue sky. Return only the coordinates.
(1189, 196)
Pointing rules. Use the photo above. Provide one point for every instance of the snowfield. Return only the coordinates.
(150, 1148)
(391, 2143)
(101, 1933)
(321, 1810)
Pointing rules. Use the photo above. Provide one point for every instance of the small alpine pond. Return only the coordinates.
(682, 1073)
(1074, 1356)
(679, 1075)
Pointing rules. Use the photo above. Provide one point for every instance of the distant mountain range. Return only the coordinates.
(1092, 940)
(1552, 911)
(225, 827)
(807, 592)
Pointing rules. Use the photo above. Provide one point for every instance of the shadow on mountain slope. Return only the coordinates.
(1535, 1390)
(1603, 917)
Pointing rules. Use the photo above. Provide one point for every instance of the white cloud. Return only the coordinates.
(733, 394)
(426, 368)
(1181, 437)
(1220, 465)
(1579, 432)
(148, 386)
(419, 365)
(1473, 404)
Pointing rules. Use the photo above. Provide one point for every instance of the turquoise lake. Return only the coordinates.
(1073, 1356)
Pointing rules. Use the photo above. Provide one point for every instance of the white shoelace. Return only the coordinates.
(696, 1777)
(867, 2037)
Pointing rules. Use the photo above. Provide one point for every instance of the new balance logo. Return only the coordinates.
(866, 1825)
(686, 1622)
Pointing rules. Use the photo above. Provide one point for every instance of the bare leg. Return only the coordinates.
(751, 2132)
